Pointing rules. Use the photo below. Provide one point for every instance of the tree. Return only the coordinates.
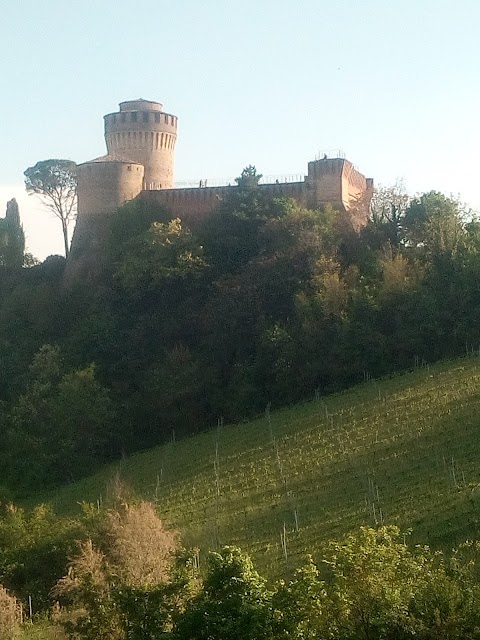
(374, 575)
(231, 235)
(12, 238)
(120, 584)
(387, 210)
(434, 223)
(166, 253)
(35, 547)
(131, 221)
(249, 178)
(139, 547)
(55, 182)
(234, 603)
(65, 418)
(301, 608)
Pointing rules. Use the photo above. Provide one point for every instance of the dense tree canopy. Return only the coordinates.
(262, 302)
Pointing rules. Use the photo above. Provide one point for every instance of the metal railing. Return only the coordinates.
(330, 153)
(230, 182)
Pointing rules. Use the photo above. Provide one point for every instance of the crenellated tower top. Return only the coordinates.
(142, 132)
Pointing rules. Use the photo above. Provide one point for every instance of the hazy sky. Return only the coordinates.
(394, 84)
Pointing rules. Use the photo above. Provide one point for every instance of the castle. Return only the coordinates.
(139, 164)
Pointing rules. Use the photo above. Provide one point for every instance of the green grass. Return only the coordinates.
(404, 450)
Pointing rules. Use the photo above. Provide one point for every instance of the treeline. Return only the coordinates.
(262, 303)
(127, 578)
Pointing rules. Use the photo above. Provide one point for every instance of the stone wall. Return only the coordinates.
(196, 203)
(333, 180)
(104, 184)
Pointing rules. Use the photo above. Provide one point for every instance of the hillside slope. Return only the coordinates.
(404, 450)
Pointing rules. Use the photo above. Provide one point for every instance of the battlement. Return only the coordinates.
(141, 131)
(317, 168)
(125, 120)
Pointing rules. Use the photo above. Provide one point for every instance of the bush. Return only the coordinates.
(10, 615)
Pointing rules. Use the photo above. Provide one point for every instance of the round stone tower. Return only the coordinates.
(141, 132)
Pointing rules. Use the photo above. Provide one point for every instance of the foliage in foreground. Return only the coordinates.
(10, 615)
(34, 548)
(127, 578)
(370, 586)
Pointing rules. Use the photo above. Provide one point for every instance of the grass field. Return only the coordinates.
(403, 450)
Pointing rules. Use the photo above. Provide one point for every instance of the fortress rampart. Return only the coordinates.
(332, 181)
(140, 140)
(196, 203)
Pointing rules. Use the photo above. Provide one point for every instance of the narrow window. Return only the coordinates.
(166, 119)
(157, 117)
(145, 116)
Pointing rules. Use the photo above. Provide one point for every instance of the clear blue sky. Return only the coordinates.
(394, 84)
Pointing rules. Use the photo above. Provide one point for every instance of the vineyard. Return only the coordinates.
(403, 450)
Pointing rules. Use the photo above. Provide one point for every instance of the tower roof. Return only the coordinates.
(140, 105)
(110, 158)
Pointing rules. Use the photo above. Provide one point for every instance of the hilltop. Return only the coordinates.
(402, 450)
(261, 302)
